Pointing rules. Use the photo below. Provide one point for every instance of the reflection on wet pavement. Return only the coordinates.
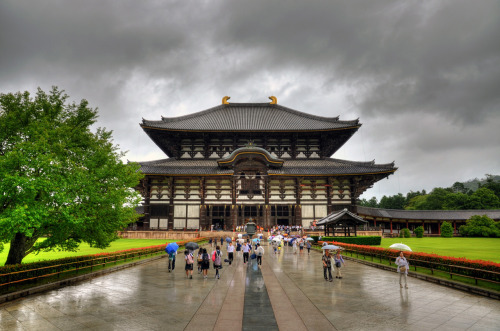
(147, 297)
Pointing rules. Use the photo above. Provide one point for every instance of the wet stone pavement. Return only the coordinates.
(287, 293)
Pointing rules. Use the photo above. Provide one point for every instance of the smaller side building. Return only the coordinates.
(391, 221)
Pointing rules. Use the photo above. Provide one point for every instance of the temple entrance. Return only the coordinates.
(283, 221)
(218, 224)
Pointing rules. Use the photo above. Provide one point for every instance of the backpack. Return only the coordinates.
(205, 257)
(217, 260)
(190, 259)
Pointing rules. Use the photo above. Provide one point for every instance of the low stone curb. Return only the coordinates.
(449, 283)
(73, 280)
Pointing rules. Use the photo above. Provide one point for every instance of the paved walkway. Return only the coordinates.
(287, 293)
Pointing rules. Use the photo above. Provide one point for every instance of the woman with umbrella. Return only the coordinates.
(308, 246)
(171, 250)
(327, 265)
(403, 267)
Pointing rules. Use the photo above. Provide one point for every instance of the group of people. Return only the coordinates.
(327, 264)
(203, 259)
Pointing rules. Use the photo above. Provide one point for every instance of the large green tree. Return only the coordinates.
(59, 180)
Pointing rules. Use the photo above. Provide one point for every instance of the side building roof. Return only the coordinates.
(441, 215)
(250, 117)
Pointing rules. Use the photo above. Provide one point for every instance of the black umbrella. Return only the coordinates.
(191, 246)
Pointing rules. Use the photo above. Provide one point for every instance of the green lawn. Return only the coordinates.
(471, 248)
(85, 249)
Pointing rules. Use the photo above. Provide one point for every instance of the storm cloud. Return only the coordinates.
(423, 77)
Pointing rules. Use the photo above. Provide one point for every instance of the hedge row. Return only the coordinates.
(368, 240)
(16, 272)
(457, 265)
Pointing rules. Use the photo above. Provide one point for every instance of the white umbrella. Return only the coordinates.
(309, 239)
(400, 247)
(276, 239)
(330, 247)
(240, 235)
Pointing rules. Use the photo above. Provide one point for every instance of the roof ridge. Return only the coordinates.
(248, 104)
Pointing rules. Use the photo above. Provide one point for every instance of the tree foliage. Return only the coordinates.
(59, 181)
(480, 226)
(456, 197)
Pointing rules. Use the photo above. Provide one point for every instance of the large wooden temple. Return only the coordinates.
(241, 161)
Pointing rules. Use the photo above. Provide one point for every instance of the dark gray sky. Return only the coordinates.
(422, 76)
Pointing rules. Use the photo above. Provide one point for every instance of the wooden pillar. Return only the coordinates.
(390, 221)
(454, 227)
(171, 209)
(439, 227)
(147, 203)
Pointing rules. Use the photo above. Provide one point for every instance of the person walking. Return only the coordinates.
(327, 265)
(294, 245)
(217, 258)
(188, 257)
(246, 249)
(230, 252)
(308, 246)
(199, 259)
(221, 241)
(339, 260)
(301, 246)
(274, 243)
(260, 253)
(205, 263)
(403, 267)
(171, 261)
(210, 242)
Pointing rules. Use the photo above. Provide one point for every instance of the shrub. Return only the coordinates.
(419, 232)
(429, 261)
(480, 226)
(315, 238)
(405, 233)
(446, 230)
(365, 240)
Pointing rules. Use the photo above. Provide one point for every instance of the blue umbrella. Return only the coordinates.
(255, 240)
(171, 248)
(228, 239)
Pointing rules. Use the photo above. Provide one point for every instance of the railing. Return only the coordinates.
(449, 269)
(38, 275)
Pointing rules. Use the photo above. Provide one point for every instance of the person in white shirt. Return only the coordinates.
(259, 252)
(246, 249)
(230, 252)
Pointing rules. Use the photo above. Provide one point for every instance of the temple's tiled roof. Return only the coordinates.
(441, 215)
(290, 167)
(250, 117)
(330, 166)
(183, 167)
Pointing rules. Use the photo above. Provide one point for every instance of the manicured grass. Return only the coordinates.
(487, 249)
(85, 249)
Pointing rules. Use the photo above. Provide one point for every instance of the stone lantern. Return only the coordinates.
(251, 228)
